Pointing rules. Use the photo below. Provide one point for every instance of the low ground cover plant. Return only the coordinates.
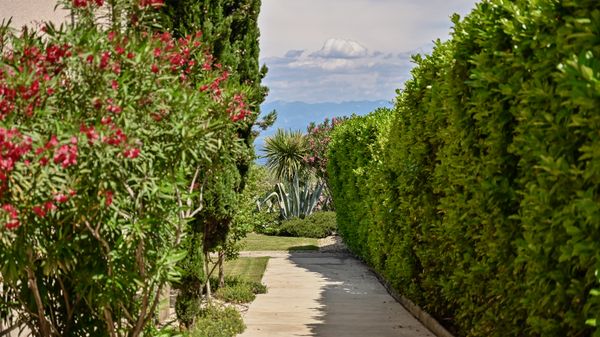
(218, 321)
(239, 290)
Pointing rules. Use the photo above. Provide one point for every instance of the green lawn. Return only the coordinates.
(254, 242)
(247, 268)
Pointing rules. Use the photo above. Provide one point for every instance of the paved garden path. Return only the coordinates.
(325, 295)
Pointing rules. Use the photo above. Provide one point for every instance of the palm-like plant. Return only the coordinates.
(285, 152)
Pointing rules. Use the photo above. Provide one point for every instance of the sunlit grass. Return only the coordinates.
(247, 268)
(257, 242)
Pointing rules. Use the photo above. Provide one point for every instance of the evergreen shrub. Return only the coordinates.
(317, 225)
(216, 321)
(238, 290)
(483, 205)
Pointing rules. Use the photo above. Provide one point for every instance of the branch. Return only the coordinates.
(139, 257)
(66, 298)
(109, 322)
(200, 200)
(179, 203)
(32, 283)
(142, 318)
(126, 313)
(212, 270)
(194, 179)
(154, 304)
(196, 211)
(129, 190)
(104, 244)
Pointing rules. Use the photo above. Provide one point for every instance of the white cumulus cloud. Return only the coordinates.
(310, 77)
(340, 48)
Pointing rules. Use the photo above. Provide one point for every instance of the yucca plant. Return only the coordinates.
(294, 202)
(285, 152)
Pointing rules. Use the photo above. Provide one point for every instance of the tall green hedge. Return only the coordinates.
(350, 172)
(481, 200)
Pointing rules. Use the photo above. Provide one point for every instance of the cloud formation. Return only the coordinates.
(294, 53)
(390, 26)
(309, 62)
(342, 70)
(340, 48)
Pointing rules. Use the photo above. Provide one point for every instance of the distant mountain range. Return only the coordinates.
(297, 115)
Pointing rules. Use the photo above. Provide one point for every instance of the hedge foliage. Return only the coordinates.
(317, 225)
(479, 197)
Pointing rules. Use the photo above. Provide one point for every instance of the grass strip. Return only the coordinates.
(247, 268)
(260, 242)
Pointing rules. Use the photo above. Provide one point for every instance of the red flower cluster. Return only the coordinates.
(318, 137)
(131, 153)
(61, 198)
(116, 138)
(13, 215)
(7, 99)
(90, 133)
(112, 107)
(153, 3)
(13, 146)
(42, 66)
(42, 210)
(238, 109)
(178, 53)
(66, 155)
(85, 3)
(104, 60)
(108, 195)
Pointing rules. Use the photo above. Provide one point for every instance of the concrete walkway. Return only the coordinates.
(325, 295)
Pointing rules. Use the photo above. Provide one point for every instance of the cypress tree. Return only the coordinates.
(230, 31)
(231, 35)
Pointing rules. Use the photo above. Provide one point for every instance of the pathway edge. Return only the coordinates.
(421, 315)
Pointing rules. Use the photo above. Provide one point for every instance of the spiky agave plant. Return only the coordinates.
(294, 200)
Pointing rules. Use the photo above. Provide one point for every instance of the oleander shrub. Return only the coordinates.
(484, 204)
(101, 129)
(318, 137)
(317, 225)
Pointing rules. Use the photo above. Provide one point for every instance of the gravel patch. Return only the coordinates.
(333, 244)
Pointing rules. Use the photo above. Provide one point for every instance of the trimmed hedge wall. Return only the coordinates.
(478, 197)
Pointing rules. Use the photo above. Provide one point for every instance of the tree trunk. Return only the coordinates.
(42, 322)
(206, 273)
(221, 269)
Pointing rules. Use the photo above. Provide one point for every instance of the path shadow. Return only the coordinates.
(352, 301)
(303, 248)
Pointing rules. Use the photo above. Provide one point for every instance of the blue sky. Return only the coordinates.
(344, 50)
